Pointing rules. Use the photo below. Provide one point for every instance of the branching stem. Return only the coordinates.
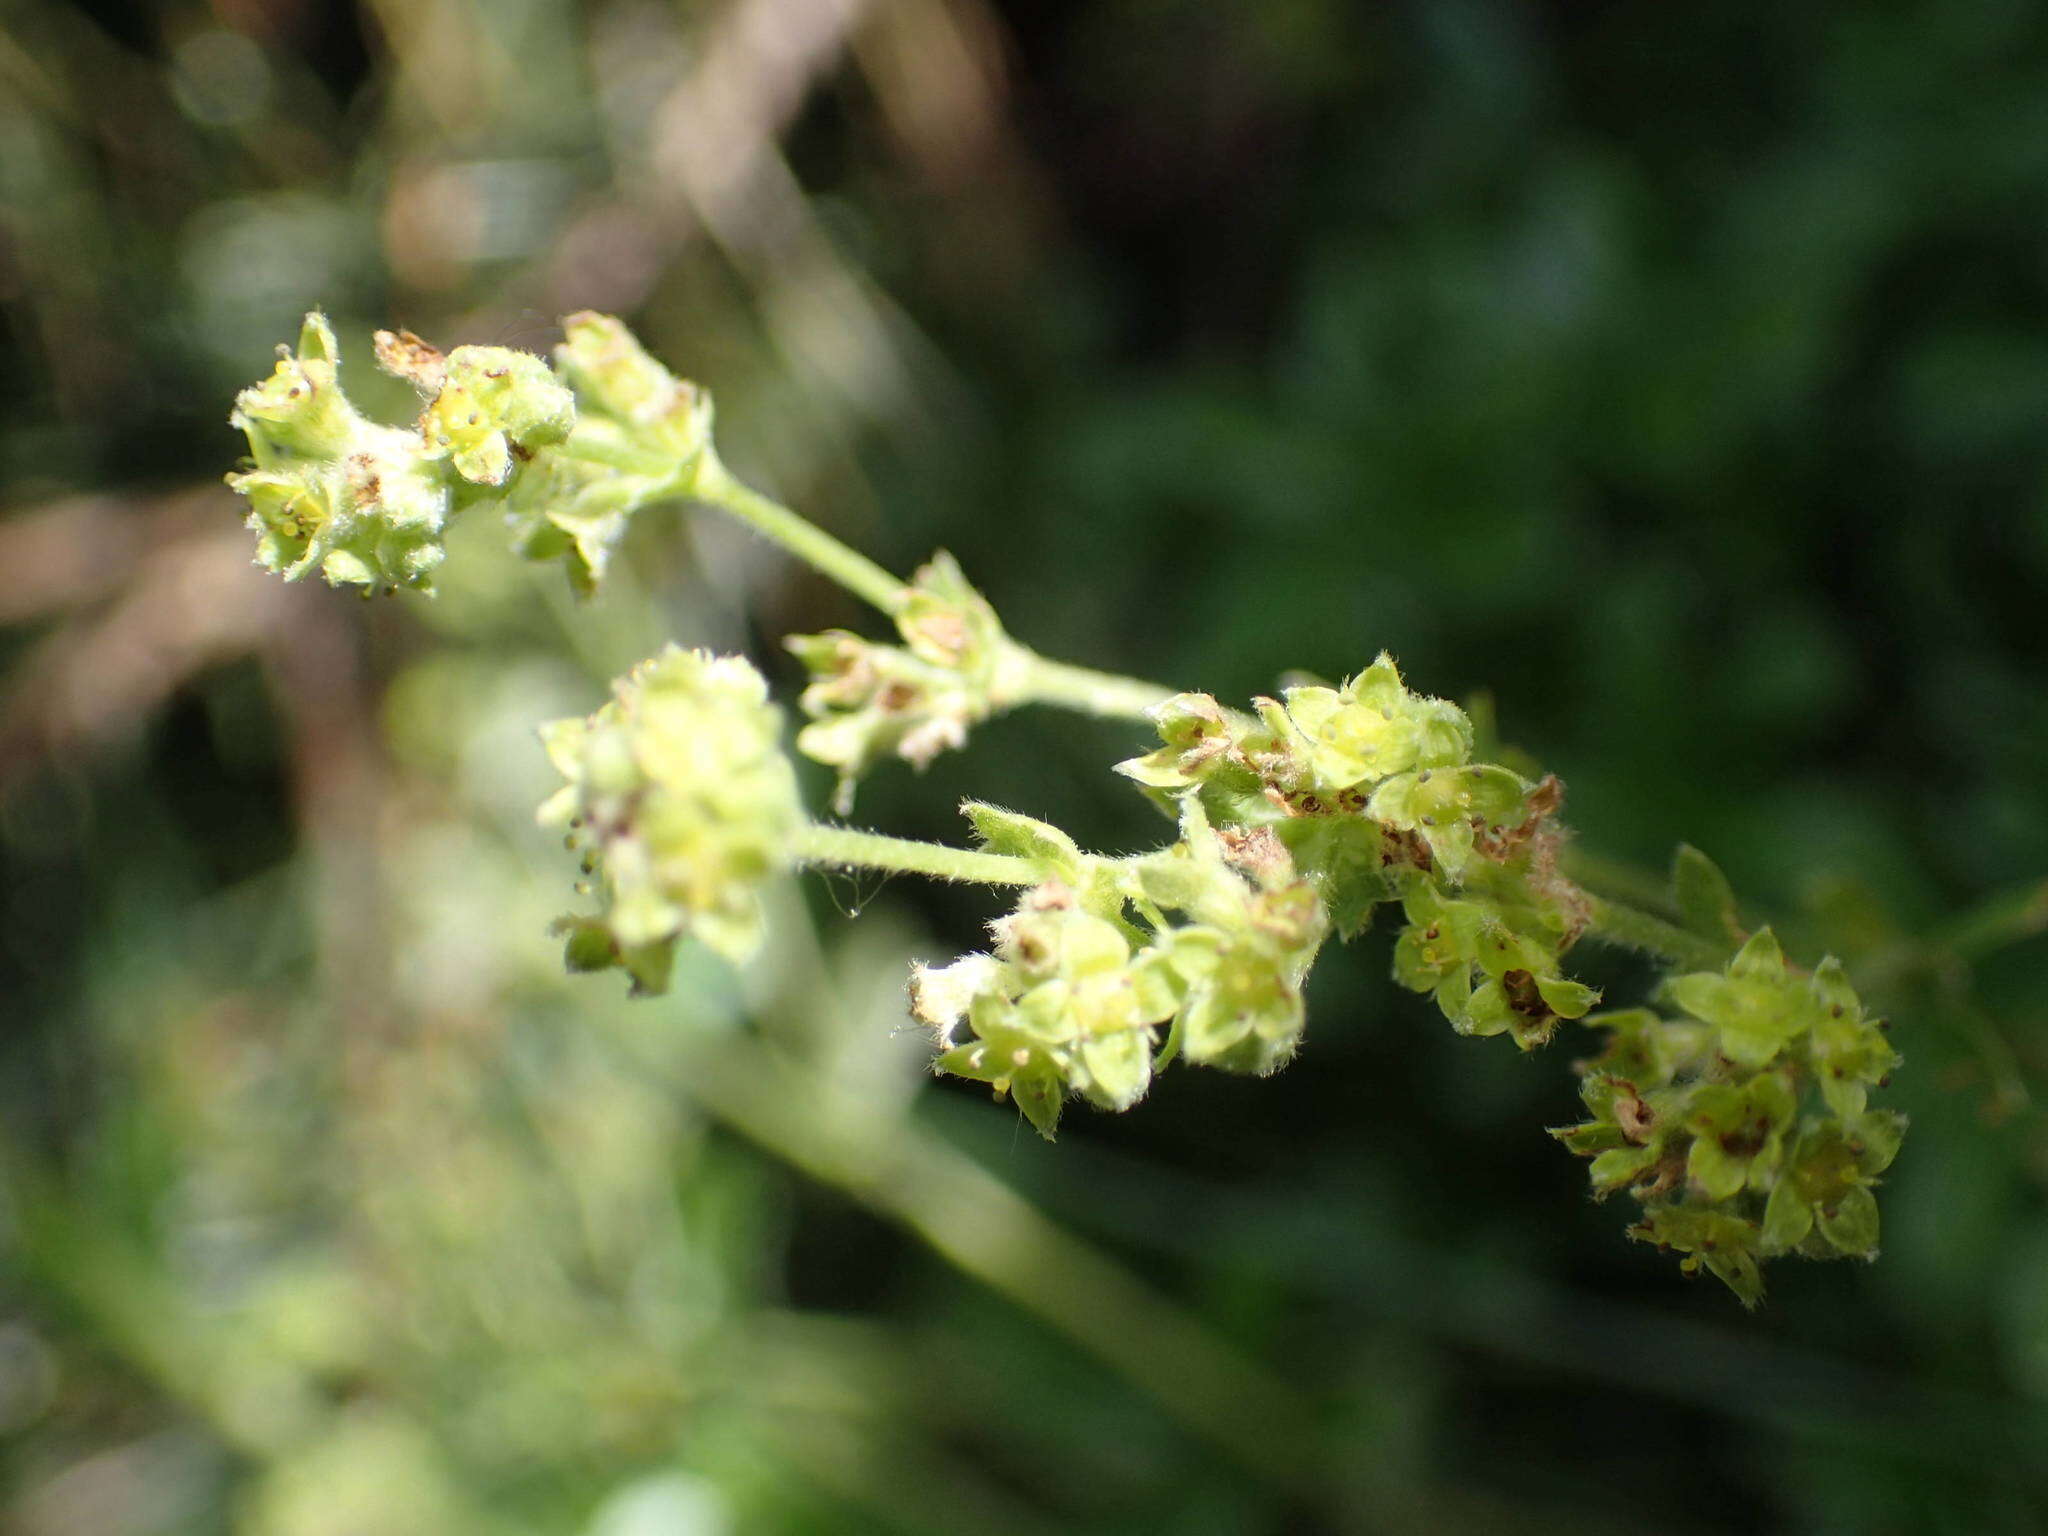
(1039, 679)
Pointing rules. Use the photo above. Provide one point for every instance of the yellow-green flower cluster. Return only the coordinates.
(1252, 929)
(569, 458)
(493, 408)
(1370, 747)
(1072, 997)
(330, 491)
(1372, 790)
(683, 805)
(1490, 952)
(1062, 1006)
(640, 436)
(1744, 1128)
(867, 702)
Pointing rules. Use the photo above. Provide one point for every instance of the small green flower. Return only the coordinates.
(330, 491)
(640, 436)
(1757, 1008)
(1365, 732)
(868, 701)
(495, 407)
(1062, 1006)
(1630, 1134)
(1197, 737)
(1726, 1245)
(1825, 1190)
(573, 510)
(1647, 1050)
(1849, 1051)
(1490, 957)
(616, 381)
(684, 805)
(1239, 972)
(1448, 807)
(1012, 1059)
(1738, 1134)
(299, 414)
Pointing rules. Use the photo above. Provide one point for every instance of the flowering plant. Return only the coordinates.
(1735, 1105)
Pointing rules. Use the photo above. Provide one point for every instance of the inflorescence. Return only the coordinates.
(1736, 1110)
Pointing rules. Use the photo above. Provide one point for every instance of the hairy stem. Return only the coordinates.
(1630, 928)
(1628, 882)
(844, 848)
(715, 485)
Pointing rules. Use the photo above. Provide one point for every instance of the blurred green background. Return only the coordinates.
(1677, 375)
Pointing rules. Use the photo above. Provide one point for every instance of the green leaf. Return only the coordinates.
(1010, 832)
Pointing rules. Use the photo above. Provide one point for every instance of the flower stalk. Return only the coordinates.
(818, 846)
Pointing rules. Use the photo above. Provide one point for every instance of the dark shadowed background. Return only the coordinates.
(1674, 376)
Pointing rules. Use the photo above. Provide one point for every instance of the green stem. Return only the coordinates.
(844, 848)
(1630, 928)
(1631, 883)
(1043, 681)
(712, 483)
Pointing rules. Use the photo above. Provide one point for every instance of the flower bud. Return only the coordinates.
(614, 377)
(1197, 738)
(299, 413)
(1327, 740)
